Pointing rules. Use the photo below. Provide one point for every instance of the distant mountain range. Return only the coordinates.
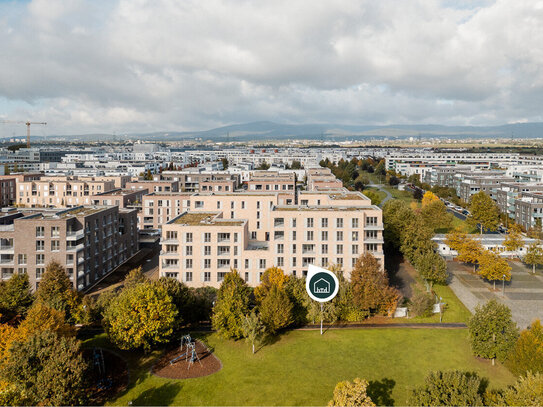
(265, 130)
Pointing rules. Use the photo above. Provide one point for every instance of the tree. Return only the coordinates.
(370, 287)
(296, 165)
(396, 216)
(435, 215)
(492, 331)
(416, 239)
(46, 369)
(373, 196)
(428, 198)
(264, 166)
(295, 289)
(182, 298)
(483, 212)
(527, 354)
(432, 268)
(422, 304)
(470, 251)
(455, 239)
(449, 388)
(44, 318)
(493, 267)
(276, 310)
(527, 391)
(55, 287)
(534, 255)
(513, 241)
(252, 328)
(351, 394)
(380, 169)
(140, 317)
(15, 295)
(224, 163)
(148, 175)
(231, 306)
(134, 277)
(274, 276)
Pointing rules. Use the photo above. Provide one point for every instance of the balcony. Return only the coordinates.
(71, 249)
(6, 249)
(75, 235)
(170, 266)
(373, 226)
(378, 240)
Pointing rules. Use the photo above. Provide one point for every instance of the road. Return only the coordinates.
(381, 188)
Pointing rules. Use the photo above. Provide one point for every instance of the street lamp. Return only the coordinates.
(440, 309)
(503, 285)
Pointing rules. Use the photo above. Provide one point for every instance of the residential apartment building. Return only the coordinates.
(200, 246)
(488, 183)
(154, 185)
(272, 181)
(89, 241)
(509, 192)
(119, 197)
(529, 209)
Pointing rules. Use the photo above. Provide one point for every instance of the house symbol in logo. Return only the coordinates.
(321, 286)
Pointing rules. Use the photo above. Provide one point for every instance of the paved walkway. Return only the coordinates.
(381, 188)
(523, 294)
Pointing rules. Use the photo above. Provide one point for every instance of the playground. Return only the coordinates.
(191, 359)
(108, 374)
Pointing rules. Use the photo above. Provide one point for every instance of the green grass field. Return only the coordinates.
(302, 368)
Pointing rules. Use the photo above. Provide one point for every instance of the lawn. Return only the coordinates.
(405, 196)
(302, 368)
(379, 193)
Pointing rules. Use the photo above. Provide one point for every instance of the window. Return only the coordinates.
(355, 249)
(262, 263)
(39, 272)
(246, 263)
(371, 234)
(207, 237)
(188, 263)
(339, 249)
(221, 250)
(55, 245)
(22, 270)
(207, 264)
(355, 237)
(339, 261)
(188, 250)
(40, 259)
(207, 276)
(55, 231)
(22, 259)
(294, 262)
(189, 237)
(188, 276)
(235, 237)
(40, 231)
(218, 204)
(293, 235)
(353, 263)
(324, 222)
(371, 247)
(258, 205)
(170, 234)
(293, 248)
(246, 276)
(309, 222)
(354, 222)
(371, 220)
(280, 248)
(324, 235)
(324, 249)
(199, 204)
(309, 235)
(253, 235)
(280, 261)
(242, 204)
(40, 245)
(339, 222)
(339, 235)
(324, 261)
(293, 220)
(207, 250)
(258, 224)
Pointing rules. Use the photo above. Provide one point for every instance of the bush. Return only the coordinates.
(351, 394)
(422, 304)
(527, 354)
(527, 391)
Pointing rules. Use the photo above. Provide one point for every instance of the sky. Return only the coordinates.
(105, 66)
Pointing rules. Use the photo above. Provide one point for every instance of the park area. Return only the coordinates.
(303, 367)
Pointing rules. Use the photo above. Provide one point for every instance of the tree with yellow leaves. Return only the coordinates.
(351, 394)
(274, 276)
(493, 267)
(470, 251)
(428, 198)
(513, 241)
(455, 239)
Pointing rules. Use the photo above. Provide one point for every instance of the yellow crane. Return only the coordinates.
(28, 123)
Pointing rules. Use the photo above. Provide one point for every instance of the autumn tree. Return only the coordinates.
(428, 198)
(46, 369)
(134, 277)
(513, 240)
(44, 318)
(493, 267)
(252, 328)
(370, 287)
(492, 331)
(526, 391)
(435, 215)
(231, 306)
(351, 394)
(416, 239)
(55, 288)
(274, 276)
(396, 216)
(527, 354)
(182, 298)
(483, 212)
(456, 239)
(470, 251)
(534, 255)
(449, 388)
(140, 317)
(276, 310)
(432, 268)
(15, 296)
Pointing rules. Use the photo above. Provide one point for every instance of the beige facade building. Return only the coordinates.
(266, 181)
(90, 242)
(252, 232)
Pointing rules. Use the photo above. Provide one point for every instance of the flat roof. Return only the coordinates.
(205, 219)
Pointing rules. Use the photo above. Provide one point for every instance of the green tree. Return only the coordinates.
(46, 369)
(44, 318)
(483, 212)
(134, 277)
(231, 306)
(15, 296)
(55, 288)
(140, 317)
(396, 216)
(432, 267)
(492, 331)
(182, 298)
(449, 388)
(534, 255)
(224, 163)
(276, 310)
(527, 391)
(296, 165)
(435, 215)
(370, 287)
(252, 328)
(295, 289)
(381, 168)
(351, 394)
(148, 176)
(416, 239)
(373, 196)
(527, 354)
(493, 267)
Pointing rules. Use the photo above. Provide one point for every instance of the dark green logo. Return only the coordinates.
(322, 285)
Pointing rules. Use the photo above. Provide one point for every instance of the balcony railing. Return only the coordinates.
(75, 235)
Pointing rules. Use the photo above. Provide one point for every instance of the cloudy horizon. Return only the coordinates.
(142, 66)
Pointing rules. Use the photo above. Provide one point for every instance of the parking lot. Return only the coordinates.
(523, 294)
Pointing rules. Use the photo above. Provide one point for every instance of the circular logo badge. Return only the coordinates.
(322, 285)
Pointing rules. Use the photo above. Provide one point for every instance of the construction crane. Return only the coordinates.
(27, 128)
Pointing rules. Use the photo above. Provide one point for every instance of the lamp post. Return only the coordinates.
(503, 285)
(440, 309)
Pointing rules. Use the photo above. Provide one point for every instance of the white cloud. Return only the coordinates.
(123, 66)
